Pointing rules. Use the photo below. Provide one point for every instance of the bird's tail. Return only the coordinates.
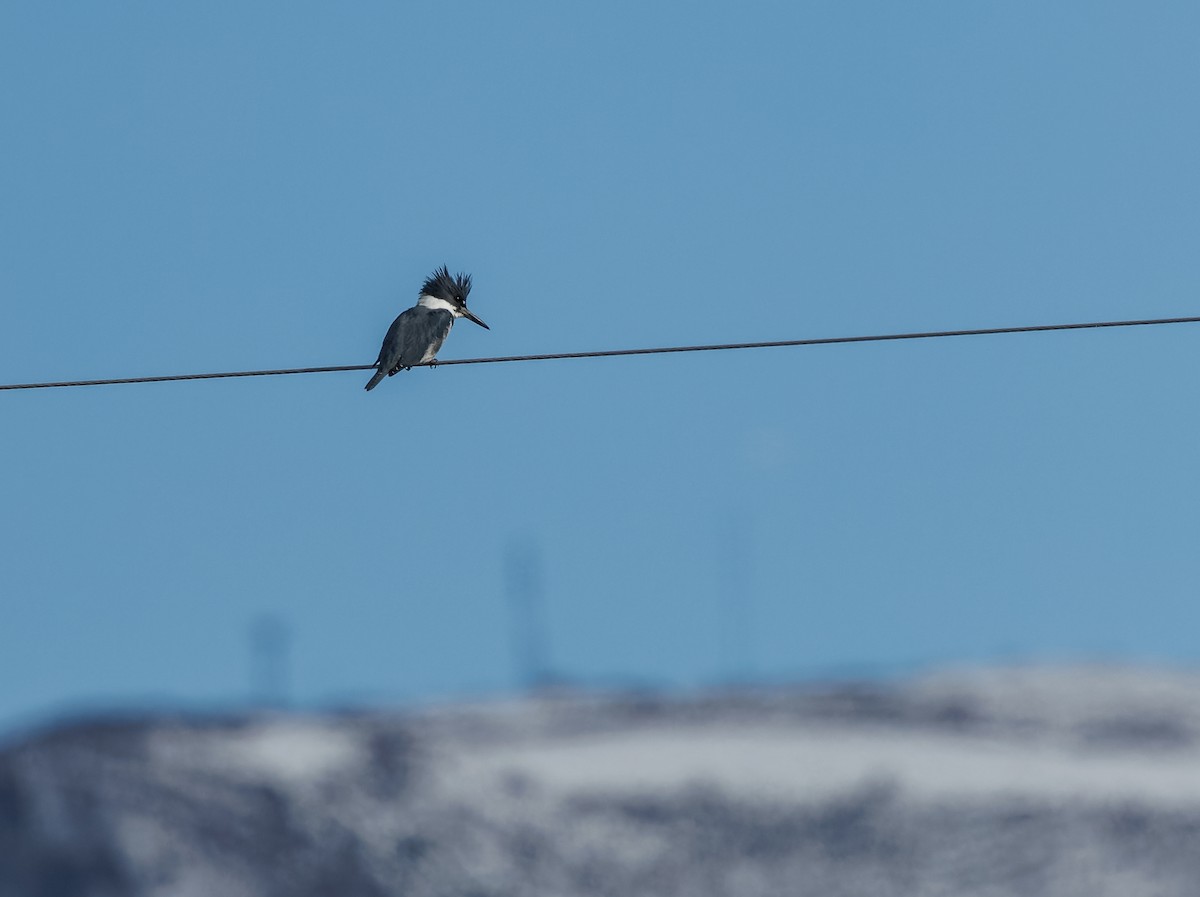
(375, 378)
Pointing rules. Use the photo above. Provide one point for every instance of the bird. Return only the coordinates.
(417, 334)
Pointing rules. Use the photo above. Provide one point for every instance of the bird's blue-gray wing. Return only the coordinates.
(422, 334)
(393, 342)
(414, 337)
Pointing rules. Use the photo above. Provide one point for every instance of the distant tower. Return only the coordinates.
(527, 606)
(734, 599)
(270, 646)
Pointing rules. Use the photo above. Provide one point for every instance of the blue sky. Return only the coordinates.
(196, 187)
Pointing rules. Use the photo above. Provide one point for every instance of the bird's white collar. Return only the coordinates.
(435, 303)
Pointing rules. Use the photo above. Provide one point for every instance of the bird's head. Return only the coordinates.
(453, 290)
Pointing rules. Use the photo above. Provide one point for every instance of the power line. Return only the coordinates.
(168, 377)
(612, 353)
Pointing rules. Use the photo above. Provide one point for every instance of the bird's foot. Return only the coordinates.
(433, 362)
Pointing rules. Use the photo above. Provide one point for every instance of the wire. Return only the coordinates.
(612, 353)
(168, 377)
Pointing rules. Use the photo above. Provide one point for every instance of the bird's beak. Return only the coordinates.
(470, 317)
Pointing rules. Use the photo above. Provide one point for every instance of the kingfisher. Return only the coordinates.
(417, 334)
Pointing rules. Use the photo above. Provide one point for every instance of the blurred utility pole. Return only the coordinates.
(527, 606)
(270, 649)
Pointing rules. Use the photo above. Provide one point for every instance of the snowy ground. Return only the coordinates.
(764, 763)
(1027, 781)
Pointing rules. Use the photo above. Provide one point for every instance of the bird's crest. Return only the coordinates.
(442, 286)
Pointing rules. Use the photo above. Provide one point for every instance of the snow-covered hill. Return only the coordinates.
(1024, 781)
